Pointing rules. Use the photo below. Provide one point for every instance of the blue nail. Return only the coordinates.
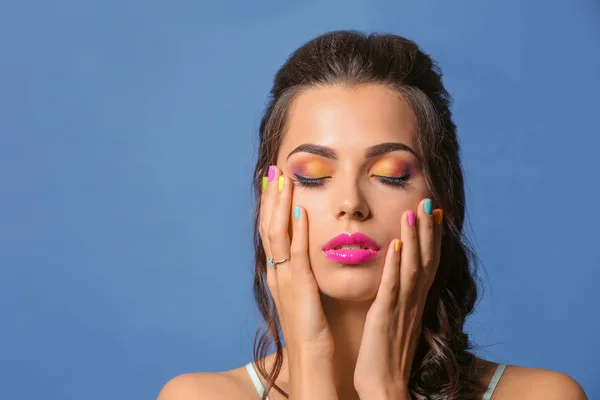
(296, 212)
(427, 207)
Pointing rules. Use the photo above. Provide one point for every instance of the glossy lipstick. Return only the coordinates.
(368, 250)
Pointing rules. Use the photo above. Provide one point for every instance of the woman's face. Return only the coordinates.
(348, 126)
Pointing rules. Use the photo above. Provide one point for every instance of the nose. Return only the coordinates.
(350, 203)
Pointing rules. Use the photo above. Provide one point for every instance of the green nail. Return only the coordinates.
(296, 212)
(265, 180)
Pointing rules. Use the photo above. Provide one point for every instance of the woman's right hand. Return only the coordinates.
(308, 339)
(292, 283)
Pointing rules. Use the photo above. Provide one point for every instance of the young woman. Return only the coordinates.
(361, 264)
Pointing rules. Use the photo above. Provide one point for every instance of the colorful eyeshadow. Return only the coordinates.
(312, 169)
(391, 167)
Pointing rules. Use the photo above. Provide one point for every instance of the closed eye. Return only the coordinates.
(386, 180)
(393, 180)
(308, 182)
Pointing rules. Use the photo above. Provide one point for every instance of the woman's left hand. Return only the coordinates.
(393, 324)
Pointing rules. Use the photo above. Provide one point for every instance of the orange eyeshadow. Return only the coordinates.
(391, 167)
(312, 169)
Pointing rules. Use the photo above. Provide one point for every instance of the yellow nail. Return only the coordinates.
(281, 182)
(397, 246)
(438, 215)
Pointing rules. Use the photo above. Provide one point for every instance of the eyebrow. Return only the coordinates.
(373, 151)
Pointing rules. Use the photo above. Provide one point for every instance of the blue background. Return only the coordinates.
(127, 131)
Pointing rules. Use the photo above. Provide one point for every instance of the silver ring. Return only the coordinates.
(273, 264)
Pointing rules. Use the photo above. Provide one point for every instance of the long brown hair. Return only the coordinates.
(443, 364)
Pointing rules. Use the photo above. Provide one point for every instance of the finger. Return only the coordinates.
(438, 217)
(409, 264)
(268, 198)
(267, 201)
(390, 278)
(279, 238)
(301, 270)
(426, 241)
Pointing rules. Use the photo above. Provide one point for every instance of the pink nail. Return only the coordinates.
(411, 218)
(271, 173)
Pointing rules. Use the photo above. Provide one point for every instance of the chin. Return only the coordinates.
(348, 282)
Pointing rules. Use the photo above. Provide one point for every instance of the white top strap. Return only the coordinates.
(255, 379)
(494, 382)
(487, 395)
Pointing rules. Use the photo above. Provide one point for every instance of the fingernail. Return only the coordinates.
(265, 180)
(296, 212)
(427, 206)
(438, 215)
(411, 218)
(281, 182)
(397, 246)
(271, 173)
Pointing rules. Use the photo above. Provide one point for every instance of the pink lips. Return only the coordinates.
(351, 256)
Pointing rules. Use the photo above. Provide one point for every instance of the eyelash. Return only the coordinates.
(386, 180)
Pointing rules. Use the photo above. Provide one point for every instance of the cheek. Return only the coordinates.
(312, 200)
(316, 208)
(389, 212)
(391, 204)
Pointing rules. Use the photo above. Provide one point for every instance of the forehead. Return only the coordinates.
(348, 119)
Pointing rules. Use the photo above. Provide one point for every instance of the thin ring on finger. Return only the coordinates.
(273, 264)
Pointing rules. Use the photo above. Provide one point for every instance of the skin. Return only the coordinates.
(350, 127)
(354, 310)
(353, 198)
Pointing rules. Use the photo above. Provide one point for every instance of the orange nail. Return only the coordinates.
(397, 246)
(438, 215)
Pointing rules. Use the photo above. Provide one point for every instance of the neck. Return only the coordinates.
(346, 321)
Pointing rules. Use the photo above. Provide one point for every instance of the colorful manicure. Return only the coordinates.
(427, 205)
(271, 173)
(281, 182)
(265, 180)
(411, 218)
(296, 212)
(397, 246)
(438, 216)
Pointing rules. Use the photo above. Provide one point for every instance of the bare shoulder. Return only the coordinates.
(207, 385)
(536, 383)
